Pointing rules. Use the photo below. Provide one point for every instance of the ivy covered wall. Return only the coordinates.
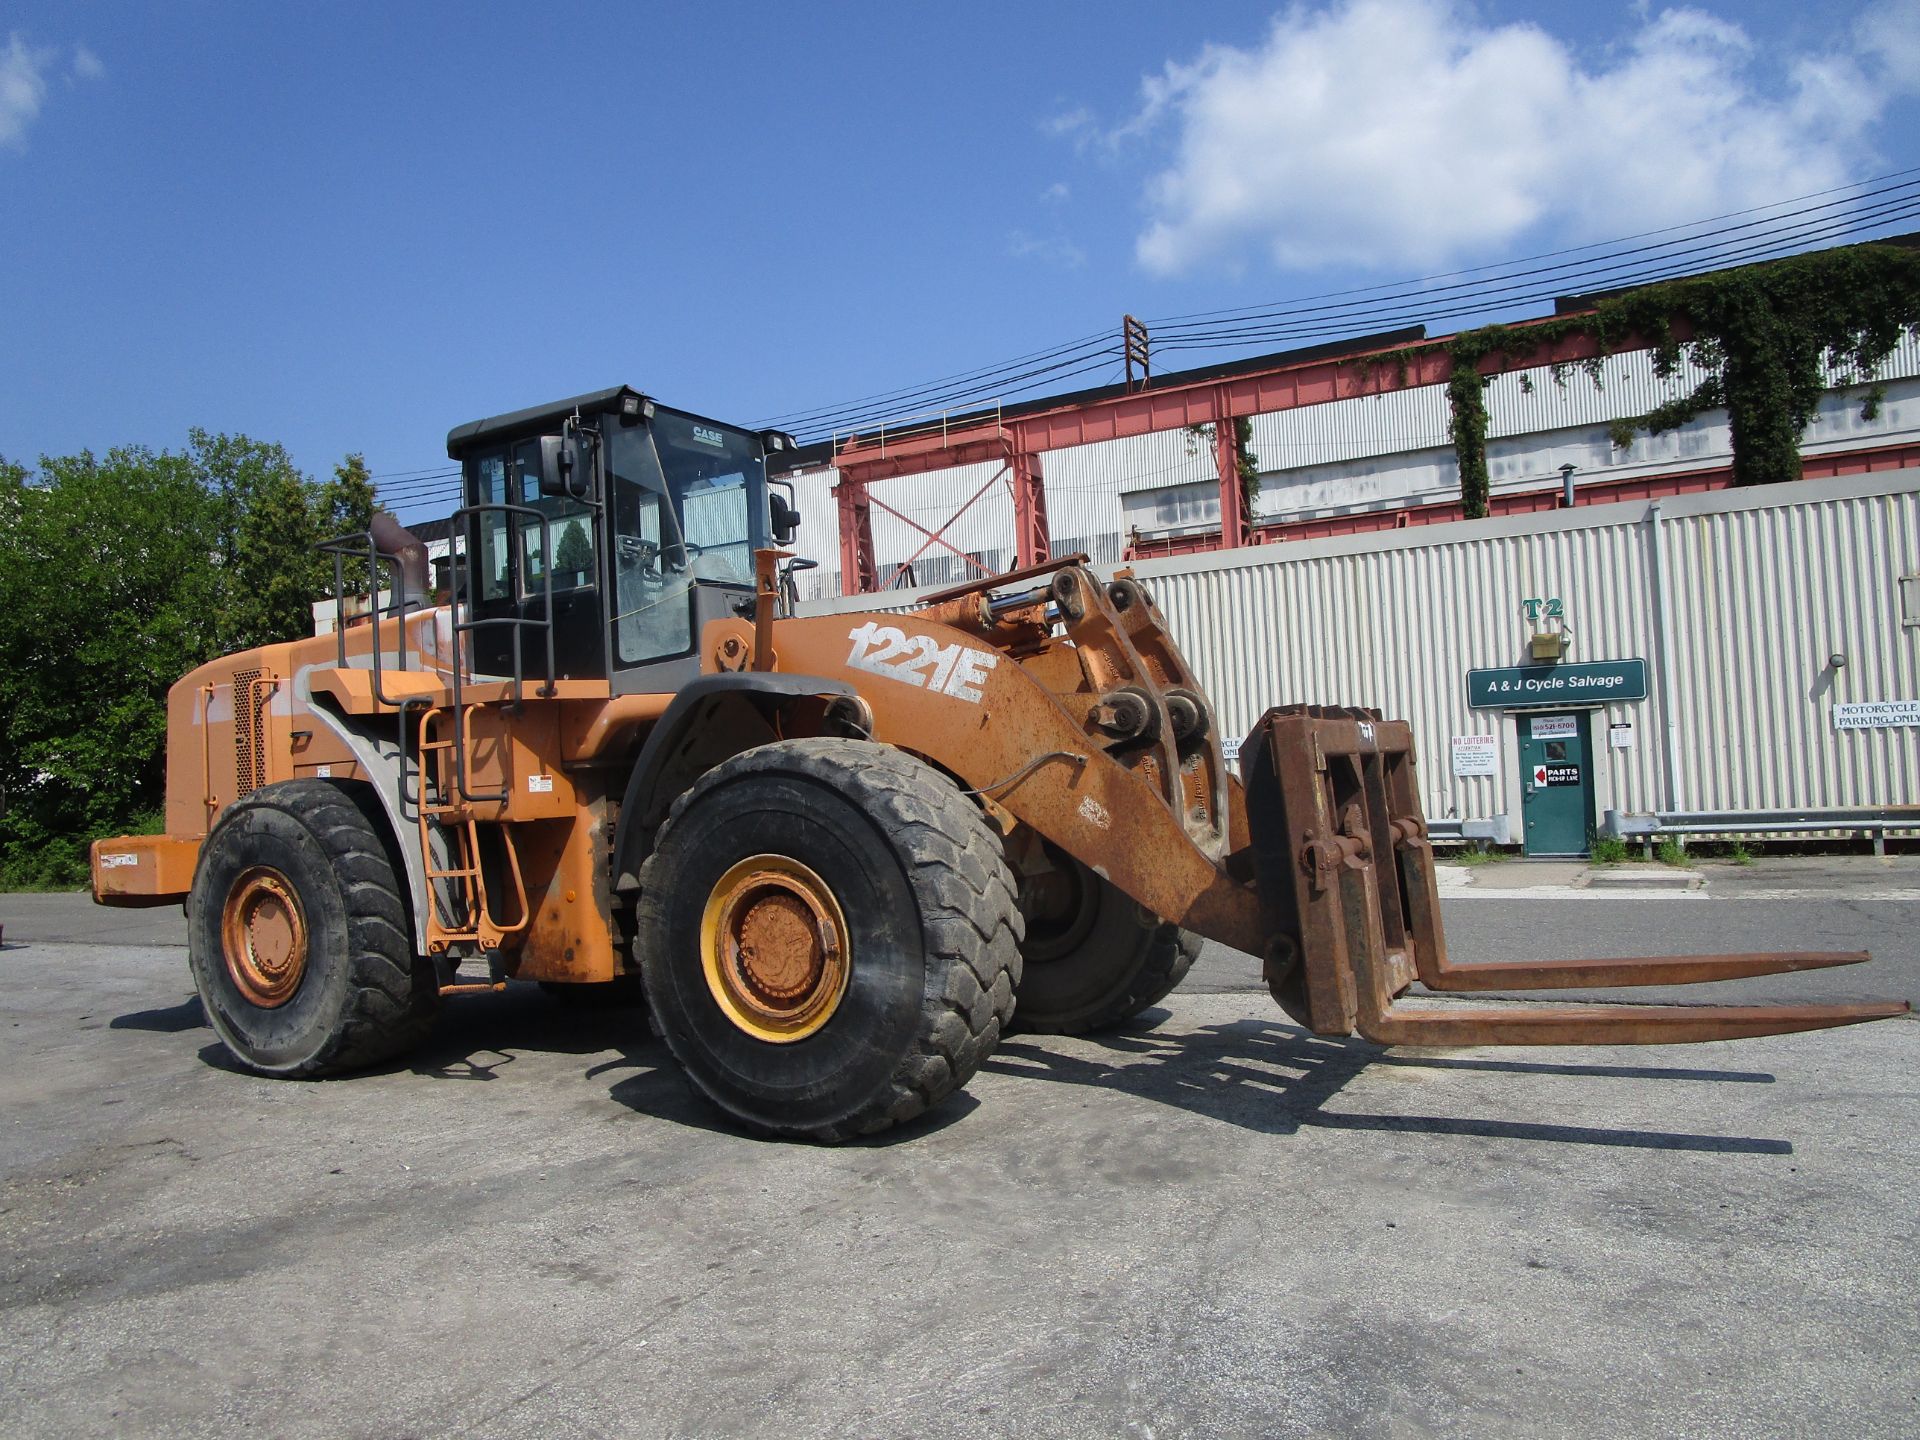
(1764, 337)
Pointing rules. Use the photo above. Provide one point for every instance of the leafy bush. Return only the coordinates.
(119, 574)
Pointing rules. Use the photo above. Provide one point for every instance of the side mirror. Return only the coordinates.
(560, 470)
(785, 517)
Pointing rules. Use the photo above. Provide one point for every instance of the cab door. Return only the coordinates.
(519, 564)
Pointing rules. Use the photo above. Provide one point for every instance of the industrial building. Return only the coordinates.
(1626, 645)
(1721, 653)
(1346, 466)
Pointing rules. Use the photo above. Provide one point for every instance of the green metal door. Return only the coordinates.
(1556, 785)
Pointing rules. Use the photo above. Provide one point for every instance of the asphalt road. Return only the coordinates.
(1212, 1224)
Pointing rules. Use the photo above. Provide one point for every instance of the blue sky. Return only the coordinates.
(351, 227)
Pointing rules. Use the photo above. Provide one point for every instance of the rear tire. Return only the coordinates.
(1093, 958)
(829, 938)
(297, 936)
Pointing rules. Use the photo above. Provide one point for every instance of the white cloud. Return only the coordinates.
(24, 70)
(1889, 34)
(1077, 121)
(23, 86)
(1050, 249)
(1396, 132)
(1056, 194)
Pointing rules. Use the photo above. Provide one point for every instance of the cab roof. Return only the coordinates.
(537, 420)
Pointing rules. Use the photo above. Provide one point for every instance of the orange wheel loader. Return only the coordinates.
(838, 856)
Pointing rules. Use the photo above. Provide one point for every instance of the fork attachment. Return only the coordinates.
(1350, 903)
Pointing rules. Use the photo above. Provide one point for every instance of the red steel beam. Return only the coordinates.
(859, 572)
(1588, 492)
(1175, 407)
(934, 537)
(1236, 515)
(1032, 545)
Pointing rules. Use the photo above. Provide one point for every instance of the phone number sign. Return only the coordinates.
(1586, 682)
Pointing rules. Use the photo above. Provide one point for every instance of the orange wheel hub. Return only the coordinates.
(773, 944)
(263, 935)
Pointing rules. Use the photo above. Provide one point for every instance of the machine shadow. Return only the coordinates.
(164, 1020)
(478, 1038)
(1266, 1076)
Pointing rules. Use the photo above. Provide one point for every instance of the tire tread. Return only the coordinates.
(970, 918)
(392, 1002)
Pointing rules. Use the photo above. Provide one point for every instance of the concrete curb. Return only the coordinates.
(1641, 879)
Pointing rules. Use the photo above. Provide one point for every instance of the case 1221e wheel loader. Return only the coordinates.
(840, 855)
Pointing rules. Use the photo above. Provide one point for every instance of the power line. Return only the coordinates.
(804, 416)
(1608, 265)
(438, 483)
(1774, 247)
(1600, 272)
(937, 394)
(441, 469)
(1576, 249)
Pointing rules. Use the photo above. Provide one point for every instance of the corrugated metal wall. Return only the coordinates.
(1396, 624)
(1763, 585)
(1761, 599)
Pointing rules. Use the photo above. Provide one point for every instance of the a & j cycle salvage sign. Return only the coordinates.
(1586, 682)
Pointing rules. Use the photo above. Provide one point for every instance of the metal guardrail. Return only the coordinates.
(1494, 831)
(1874, 821)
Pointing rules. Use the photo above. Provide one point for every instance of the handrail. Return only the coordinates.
(340, 547)
(460, 575)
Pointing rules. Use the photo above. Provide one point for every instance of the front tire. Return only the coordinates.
(829, 937)
(297, 935)
(1093, 958)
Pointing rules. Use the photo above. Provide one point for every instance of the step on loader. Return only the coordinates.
(837, 855)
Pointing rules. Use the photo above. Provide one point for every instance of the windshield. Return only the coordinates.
(682, 492)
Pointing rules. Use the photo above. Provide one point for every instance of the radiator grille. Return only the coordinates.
(250, 693)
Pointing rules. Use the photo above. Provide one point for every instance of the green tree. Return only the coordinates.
(117, 576)
(347, 502)
(106, 597)
(269, 514)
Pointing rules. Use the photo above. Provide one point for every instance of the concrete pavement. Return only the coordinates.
(1210, 1224)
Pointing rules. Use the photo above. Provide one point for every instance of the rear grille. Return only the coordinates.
(250, 694)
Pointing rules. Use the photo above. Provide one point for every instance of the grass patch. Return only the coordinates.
(1607, 850)
(1671, 852)
(1478, 853)
(31, 886)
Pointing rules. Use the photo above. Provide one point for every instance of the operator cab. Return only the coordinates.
(630, 525)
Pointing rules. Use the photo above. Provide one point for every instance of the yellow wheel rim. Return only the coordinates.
(773, 944)
(263, 937)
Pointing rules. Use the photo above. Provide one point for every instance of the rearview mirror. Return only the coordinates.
(785, 518)
(560, 473)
